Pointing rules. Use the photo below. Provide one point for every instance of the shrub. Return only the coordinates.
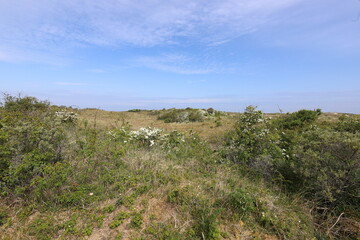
(252, 139)
(3, 217)
(147, 136)
(241, 202)
(210, 111)
(137, 220)
(348, 124)
(32, 138)
(134, 110)
(299, 119)
(182, 115)
(23, 104)
(66, 117)
(328, 165)
(206, 223)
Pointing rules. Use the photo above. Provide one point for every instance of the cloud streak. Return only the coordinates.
(141, 23)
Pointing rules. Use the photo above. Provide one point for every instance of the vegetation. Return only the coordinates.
(66, 174)
(185, 115)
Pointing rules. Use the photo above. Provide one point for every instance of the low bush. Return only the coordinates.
(32, 138)
(23, 104)
(320, 162)
(299, 119)
(348, 124)
(183, 115)
(328, 166)
(135, 110)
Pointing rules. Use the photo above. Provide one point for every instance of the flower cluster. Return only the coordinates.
(66, 116)
(146, 135)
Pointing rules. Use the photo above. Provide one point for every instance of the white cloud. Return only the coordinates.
(42, 23)
(59, 26)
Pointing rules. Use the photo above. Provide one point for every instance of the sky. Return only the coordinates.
(279, 55)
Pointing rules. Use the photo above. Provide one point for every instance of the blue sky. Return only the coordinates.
(151, 54)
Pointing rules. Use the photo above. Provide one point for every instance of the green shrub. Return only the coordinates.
(70, 226)
(23, 104)
(348, 124)
(109, 209)
(182, 115)
(32, 138)
(87, 231)
(252, 141)
(206, 223)
(3, 217)
(328, 164)
(136, 220)
(119, 219)
(299, 119)
(134, 110)
(241, 203)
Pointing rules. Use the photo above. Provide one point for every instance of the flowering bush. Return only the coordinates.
(65, 116)
(252, 139)
(183, 115)
(172, 140)
(148, 136)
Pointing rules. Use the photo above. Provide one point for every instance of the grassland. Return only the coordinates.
(107, 175)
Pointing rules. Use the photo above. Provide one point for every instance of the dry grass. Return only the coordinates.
(108, 119)
(207, 129)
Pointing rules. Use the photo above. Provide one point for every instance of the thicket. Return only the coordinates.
(32, 138)
(319, 161)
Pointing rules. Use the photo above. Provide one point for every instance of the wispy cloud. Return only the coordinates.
(143, 23)
(61, 25)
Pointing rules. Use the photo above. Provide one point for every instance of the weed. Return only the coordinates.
(137, 220)
(43, 228)
(162, 231)
(3, 217)
(109, 209)
(87, 231)
(241, 203)
(70, 226)
(119, 219)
